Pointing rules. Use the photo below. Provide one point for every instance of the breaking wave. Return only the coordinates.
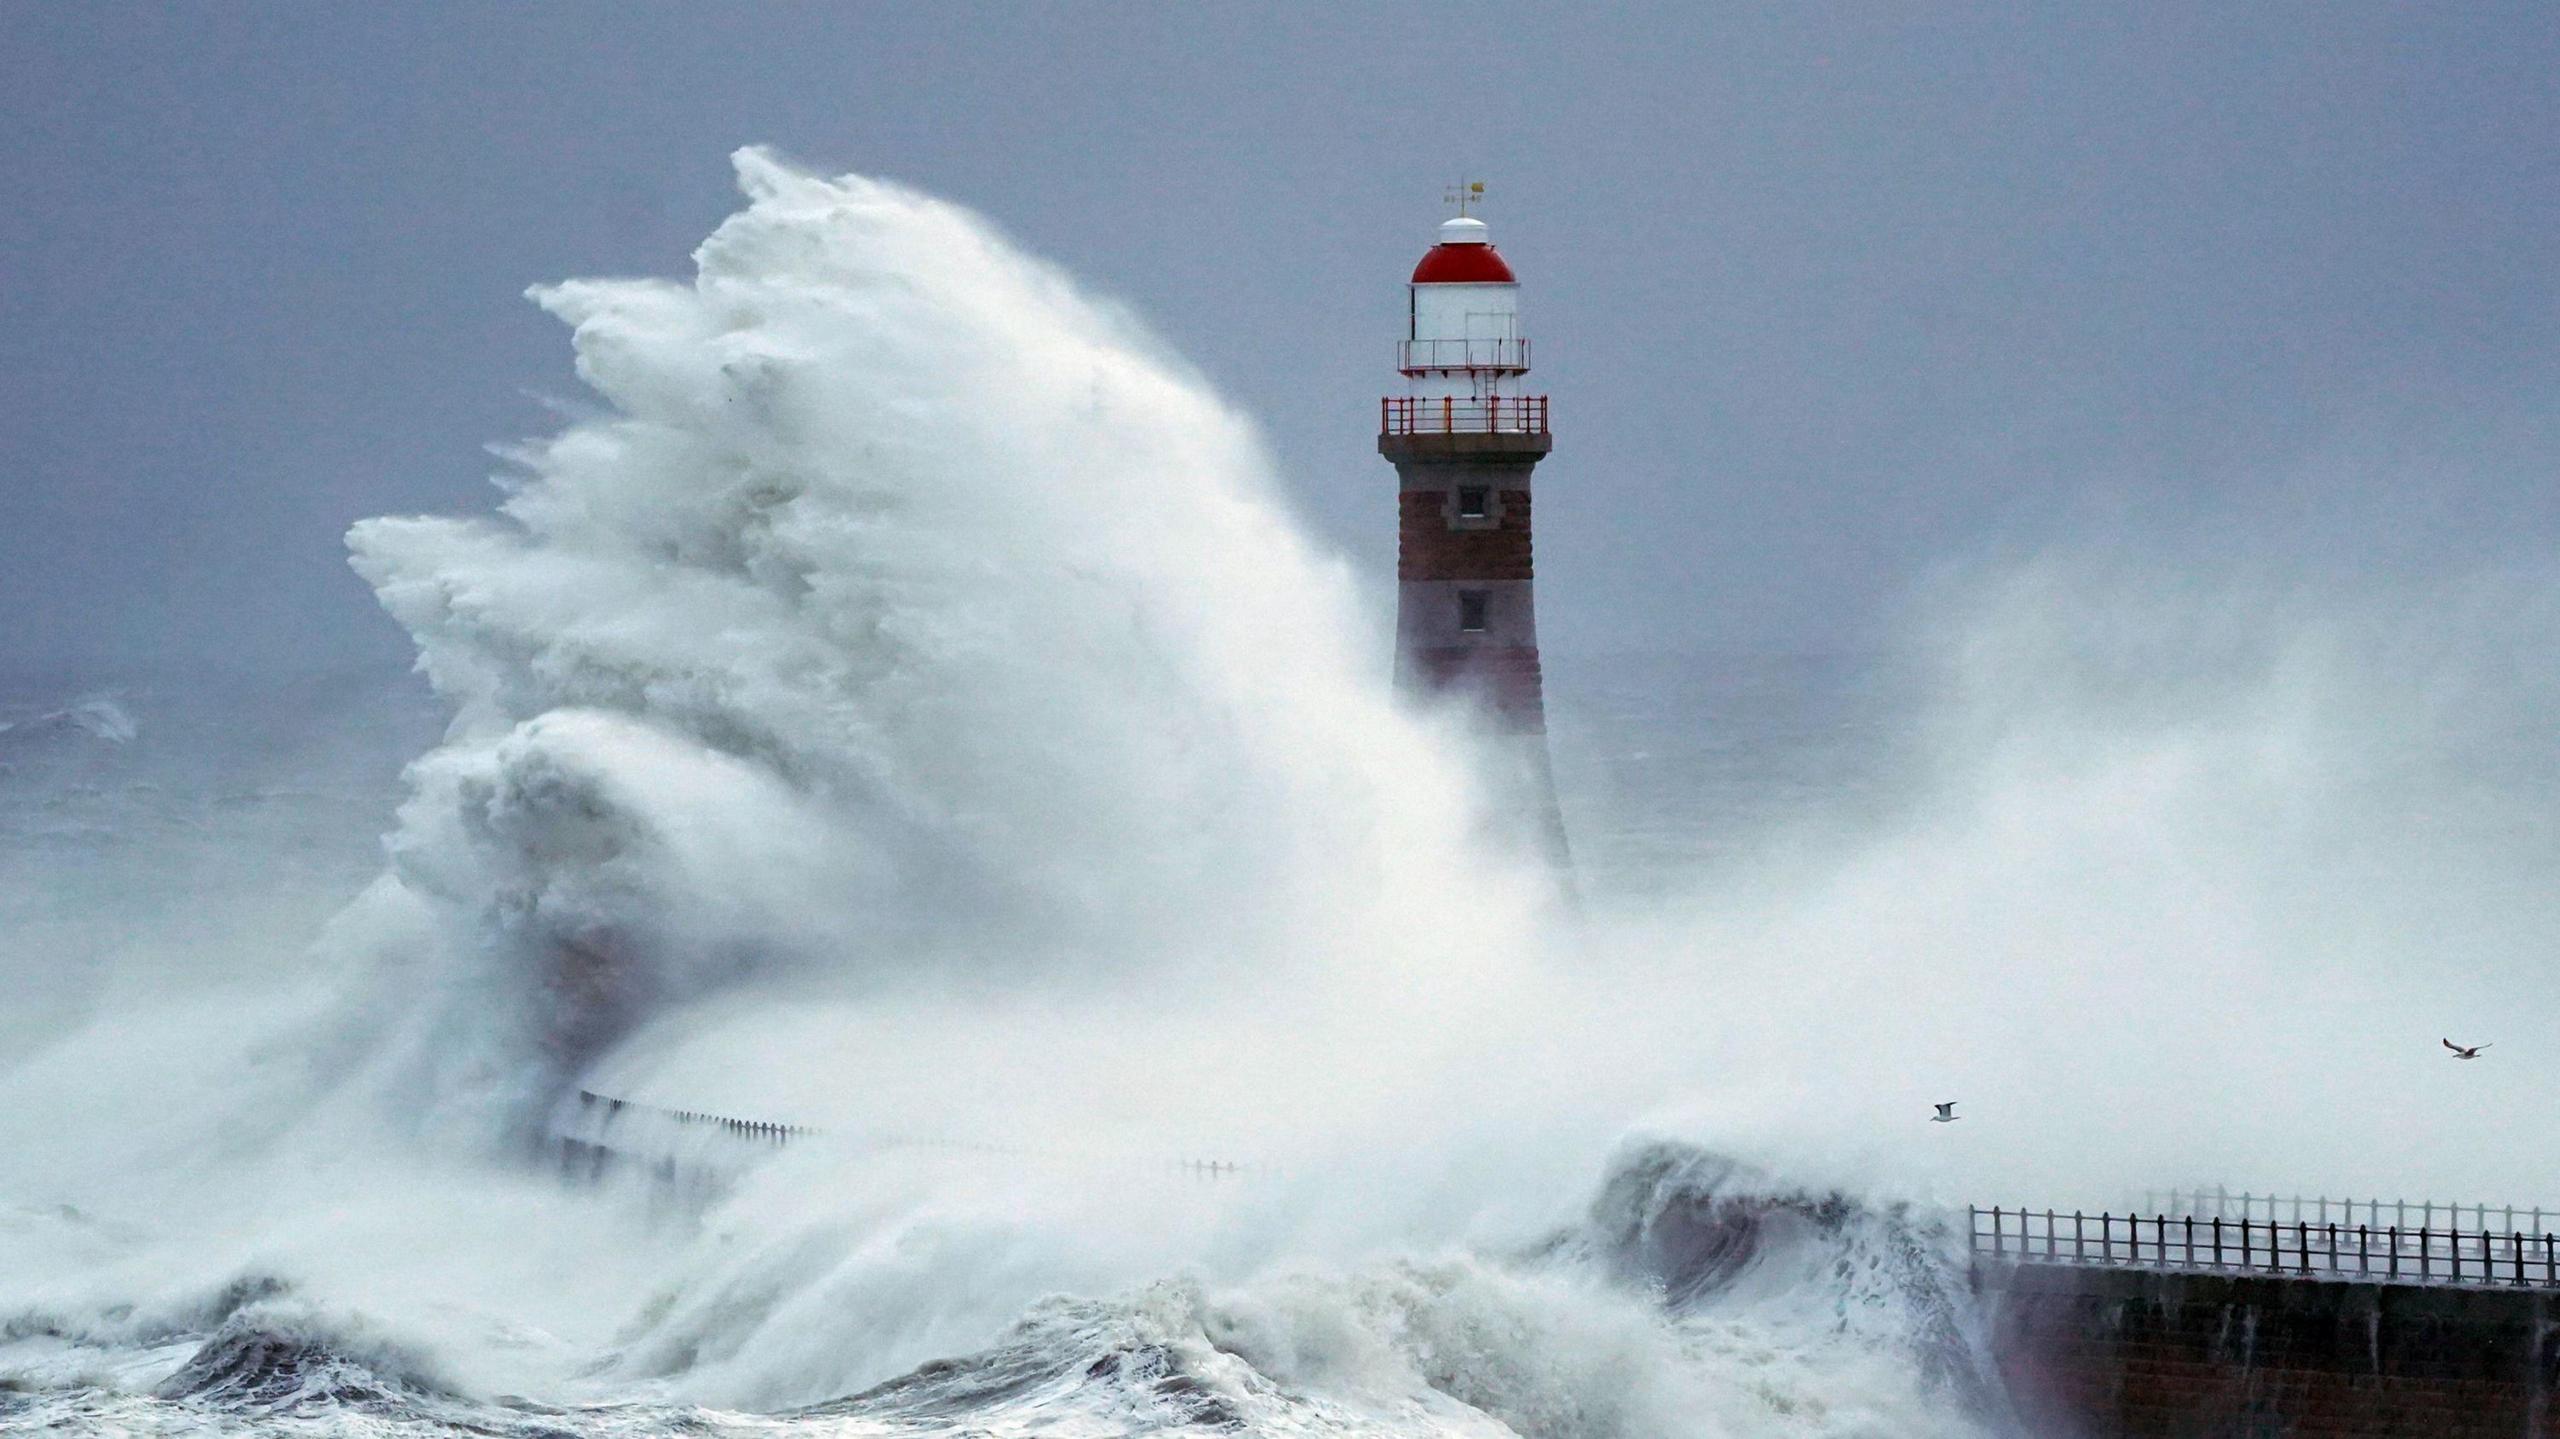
(911, 619)
(1694, 1298)
(906, 713)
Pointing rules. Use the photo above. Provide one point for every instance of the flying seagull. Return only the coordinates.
(2459, 1052)
(1946, 1114)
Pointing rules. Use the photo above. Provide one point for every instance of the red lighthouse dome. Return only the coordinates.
(1464, 256)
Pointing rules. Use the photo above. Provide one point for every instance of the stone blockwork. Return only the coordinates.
(1432, 545)
(2093, 1353)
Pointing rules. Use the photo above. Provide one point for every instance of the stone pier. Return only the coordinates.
(2102, 1351)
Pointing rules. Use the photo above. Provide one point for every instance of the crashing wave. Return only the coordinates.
(252, 1367)
(1697, 1297)
(908, 710)
(910, 614)
(1702, 1230)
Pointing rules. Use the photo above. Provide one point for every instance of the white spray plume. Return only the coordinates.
(908, 711)
(912, 620)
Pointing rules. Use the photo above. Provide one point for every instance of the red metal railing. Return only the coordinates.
(1416, 356)
(1503, 415)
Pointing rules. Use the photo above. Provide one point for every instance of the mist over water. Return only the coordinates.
(905, 708)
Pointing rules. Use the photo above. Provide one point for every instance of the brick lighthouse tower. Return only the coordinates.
(1464, 440)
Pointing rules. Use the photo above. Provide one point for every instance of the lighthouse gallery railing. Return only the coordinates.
(1423, 415)
(1414, 357)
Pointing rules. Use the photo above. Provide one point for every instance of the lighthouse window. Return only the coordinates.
(1473, 501)
(1471, 605)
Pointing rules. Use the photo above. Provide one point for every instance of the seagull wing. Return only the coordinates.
(2456, 1048)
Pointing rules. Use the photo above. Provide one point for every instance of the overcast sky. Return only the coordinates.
(1827, 296)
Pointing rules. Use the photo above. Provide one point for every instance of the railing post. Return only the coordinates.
(2190, 1221)
(2079, 1252)
(2515, 1241)
(2217, 1241)
(2049, 1253)
(2456, 1236)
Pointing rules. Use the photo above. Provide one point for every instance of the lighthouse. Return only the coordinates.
(1464, 439)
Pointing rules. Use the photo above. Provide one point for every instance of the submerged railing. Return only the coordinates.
(607, 1107)
(2307, 1249)
(590, 1156)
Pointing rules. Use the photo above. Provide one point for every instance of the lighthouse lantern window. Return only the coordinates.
(1474, 501)
(1471, 606)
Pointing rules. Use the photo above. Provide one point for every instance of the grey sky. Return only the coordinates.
(1826, 295)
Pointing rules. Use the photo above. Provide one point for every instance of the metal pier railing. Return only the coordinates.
(2307, 1249)
(2223, 1203)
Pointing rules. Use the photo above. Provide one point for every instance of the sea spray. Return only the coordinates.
(910, 619)
(907, 713)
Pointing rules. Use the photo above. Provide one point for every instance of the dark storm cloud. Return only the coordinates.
(1828, 296)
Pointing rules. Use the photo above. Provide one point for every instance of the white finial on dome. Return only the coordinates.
(1465, 230)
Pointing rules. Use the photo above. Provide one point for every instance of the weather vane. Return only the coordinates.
(1465, 193)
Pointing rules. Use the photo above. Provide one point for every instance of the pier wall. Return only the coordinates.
(2097, 1352)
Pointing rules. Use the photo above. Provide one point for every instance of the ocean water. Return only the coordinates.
(203, 817)
(902, 708)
